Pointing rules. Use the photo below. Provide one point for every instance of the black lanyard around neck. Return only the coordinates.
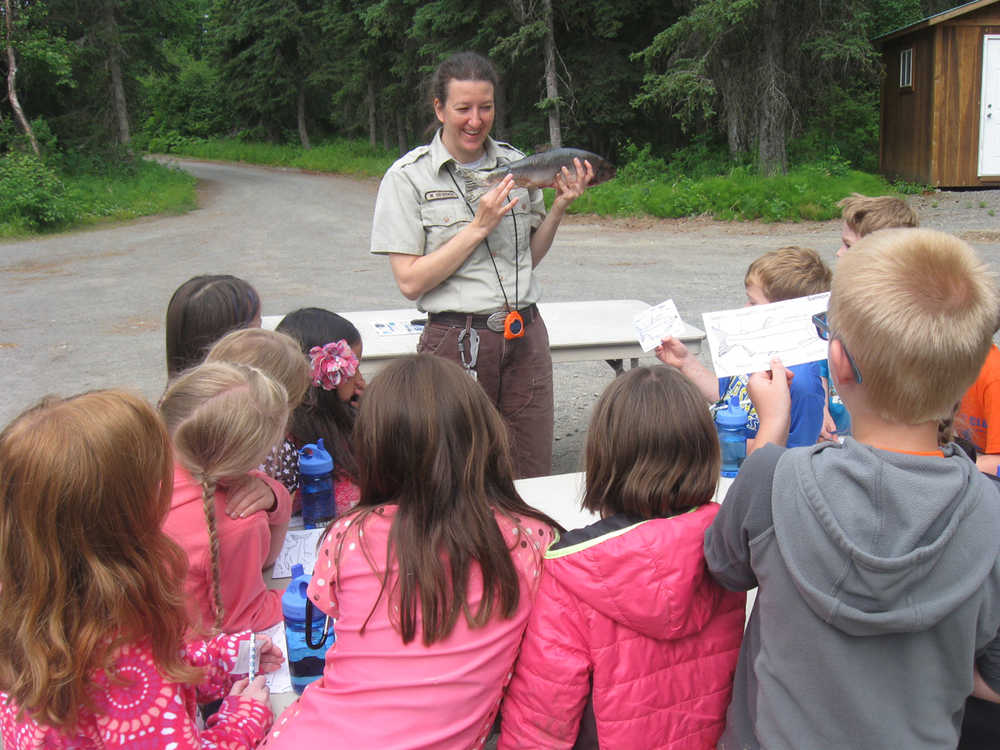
(486, 241)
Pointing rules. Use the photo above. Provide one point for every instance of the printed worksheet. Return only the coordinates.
(397, 327)
(744, 340)
(279, 681)
(656, 323)
(299, 547)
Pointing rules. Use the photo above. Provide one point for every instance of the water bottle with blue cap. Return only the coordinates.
(316, 483)
(731, 424)
(308, 632)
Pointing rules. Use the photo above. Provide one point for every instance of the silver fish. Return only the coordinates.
(539, 170)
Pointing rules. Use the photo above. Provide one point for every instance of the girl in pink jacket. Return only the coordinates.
(223, 420)
(631, 643)
(93, 630)
(430, 579)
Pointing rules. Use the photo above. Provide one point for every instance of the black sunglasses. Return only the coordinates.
(823, 330)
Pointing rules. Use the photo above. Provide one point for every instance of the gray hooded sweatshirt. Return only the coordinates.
(879, 587)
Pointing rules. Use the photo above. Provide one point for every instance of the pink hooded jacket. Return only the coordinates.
(628, 616)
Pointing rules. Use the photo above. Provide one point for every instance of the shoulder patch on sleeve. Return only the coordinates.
(411, 156)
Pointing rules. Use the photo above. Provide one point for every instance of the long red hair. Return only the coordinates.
(85, 485)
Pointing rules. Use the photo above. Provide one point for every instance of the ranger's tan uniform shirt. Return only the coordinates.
(420, 207)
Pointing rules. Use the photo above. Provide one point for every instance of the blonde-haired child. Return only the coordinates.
(223, 420)
(783, 274)
(876, 559)
(277, 355)
(864, 214)
(94, 621)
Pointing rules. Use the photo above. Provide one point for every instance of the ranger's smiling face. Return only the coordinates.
(467, 117)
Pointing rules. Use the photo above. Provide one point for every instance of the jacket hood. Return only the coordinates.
(866, 534)
(650, 576)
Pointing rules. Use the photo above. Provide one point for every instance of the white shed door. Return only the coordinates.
(989, 130)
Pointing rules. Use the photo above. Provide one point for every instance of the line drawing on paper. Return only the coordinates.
(299, 547)
(656, 323)
(745, 339)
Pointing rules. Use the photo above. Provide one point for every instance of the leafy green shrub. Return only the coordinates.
(639, 165)
(31, 193)
(844, 122)
(703, 157)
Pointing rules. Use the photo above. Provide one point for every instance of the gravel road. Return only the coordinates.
(85, 309)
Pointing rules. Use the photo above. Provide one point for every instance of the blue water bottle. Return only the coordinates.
(839, 413)
(316, 485)
(731, 424)
(306, 637)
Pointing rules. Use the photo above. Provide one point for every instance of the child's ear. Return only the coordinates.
(840, 366)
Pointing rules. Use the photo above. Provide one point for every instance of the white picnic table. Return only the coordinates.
(578, 332)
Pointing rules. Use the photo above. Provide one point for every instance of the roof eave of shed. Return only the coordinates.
(926, 23)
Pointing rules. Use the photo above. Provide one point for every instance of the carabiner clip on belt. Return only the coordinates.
(469, 365)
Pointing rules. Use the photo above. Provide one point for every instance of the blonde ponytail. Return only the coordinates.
(223, 419)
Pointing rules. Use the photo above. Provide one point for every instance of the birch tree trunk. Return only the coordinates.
(301, 116)
(371, 112)
(119, 103)
(15, 103)
(551, 80)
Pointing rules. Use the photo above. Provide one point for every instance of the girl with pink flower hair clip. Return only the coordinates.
(333, 347)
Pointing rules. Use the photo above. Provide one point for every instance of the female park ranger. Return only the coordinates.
(469, 260)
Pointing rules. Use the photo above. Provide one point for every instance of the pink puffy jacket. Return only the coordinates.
(628, 616)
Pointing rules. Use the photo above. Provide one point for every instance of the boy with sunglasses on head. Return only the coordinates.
(783, 274)
(877, 558)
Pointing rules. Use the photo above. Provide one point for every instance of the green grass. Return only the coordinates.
(141, 188)
(648, 186)
(806, 193)
(340, 156)
(151, 189)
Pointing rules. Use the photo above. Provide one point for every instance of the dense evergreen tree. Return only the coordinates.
(759, 75)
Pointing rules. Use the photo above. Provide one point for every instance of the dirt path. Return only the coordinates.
(85, 310)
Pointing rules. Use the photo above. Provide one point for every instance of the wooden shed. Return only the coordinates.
(940, 114)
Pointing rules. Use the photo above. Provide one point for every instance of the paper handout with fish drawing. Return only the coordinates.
(744, 340)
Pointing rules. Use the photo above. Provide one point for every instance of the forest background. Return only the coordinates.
(738, 108)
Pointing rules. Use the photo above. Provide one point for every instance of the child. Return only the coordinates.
(431, 578)
(203, 310)
(979, 409)
(333, 346)
(223, 419)
(93, 624)
(863, 215)
(786, 273)
(278, 356)
(876, 558)
(627, 620)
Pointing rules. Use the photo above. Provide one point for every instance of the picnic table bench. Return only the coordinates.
(578, 332)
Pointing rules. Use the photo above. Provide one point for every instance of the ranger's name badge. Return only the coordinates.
(438, 195)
